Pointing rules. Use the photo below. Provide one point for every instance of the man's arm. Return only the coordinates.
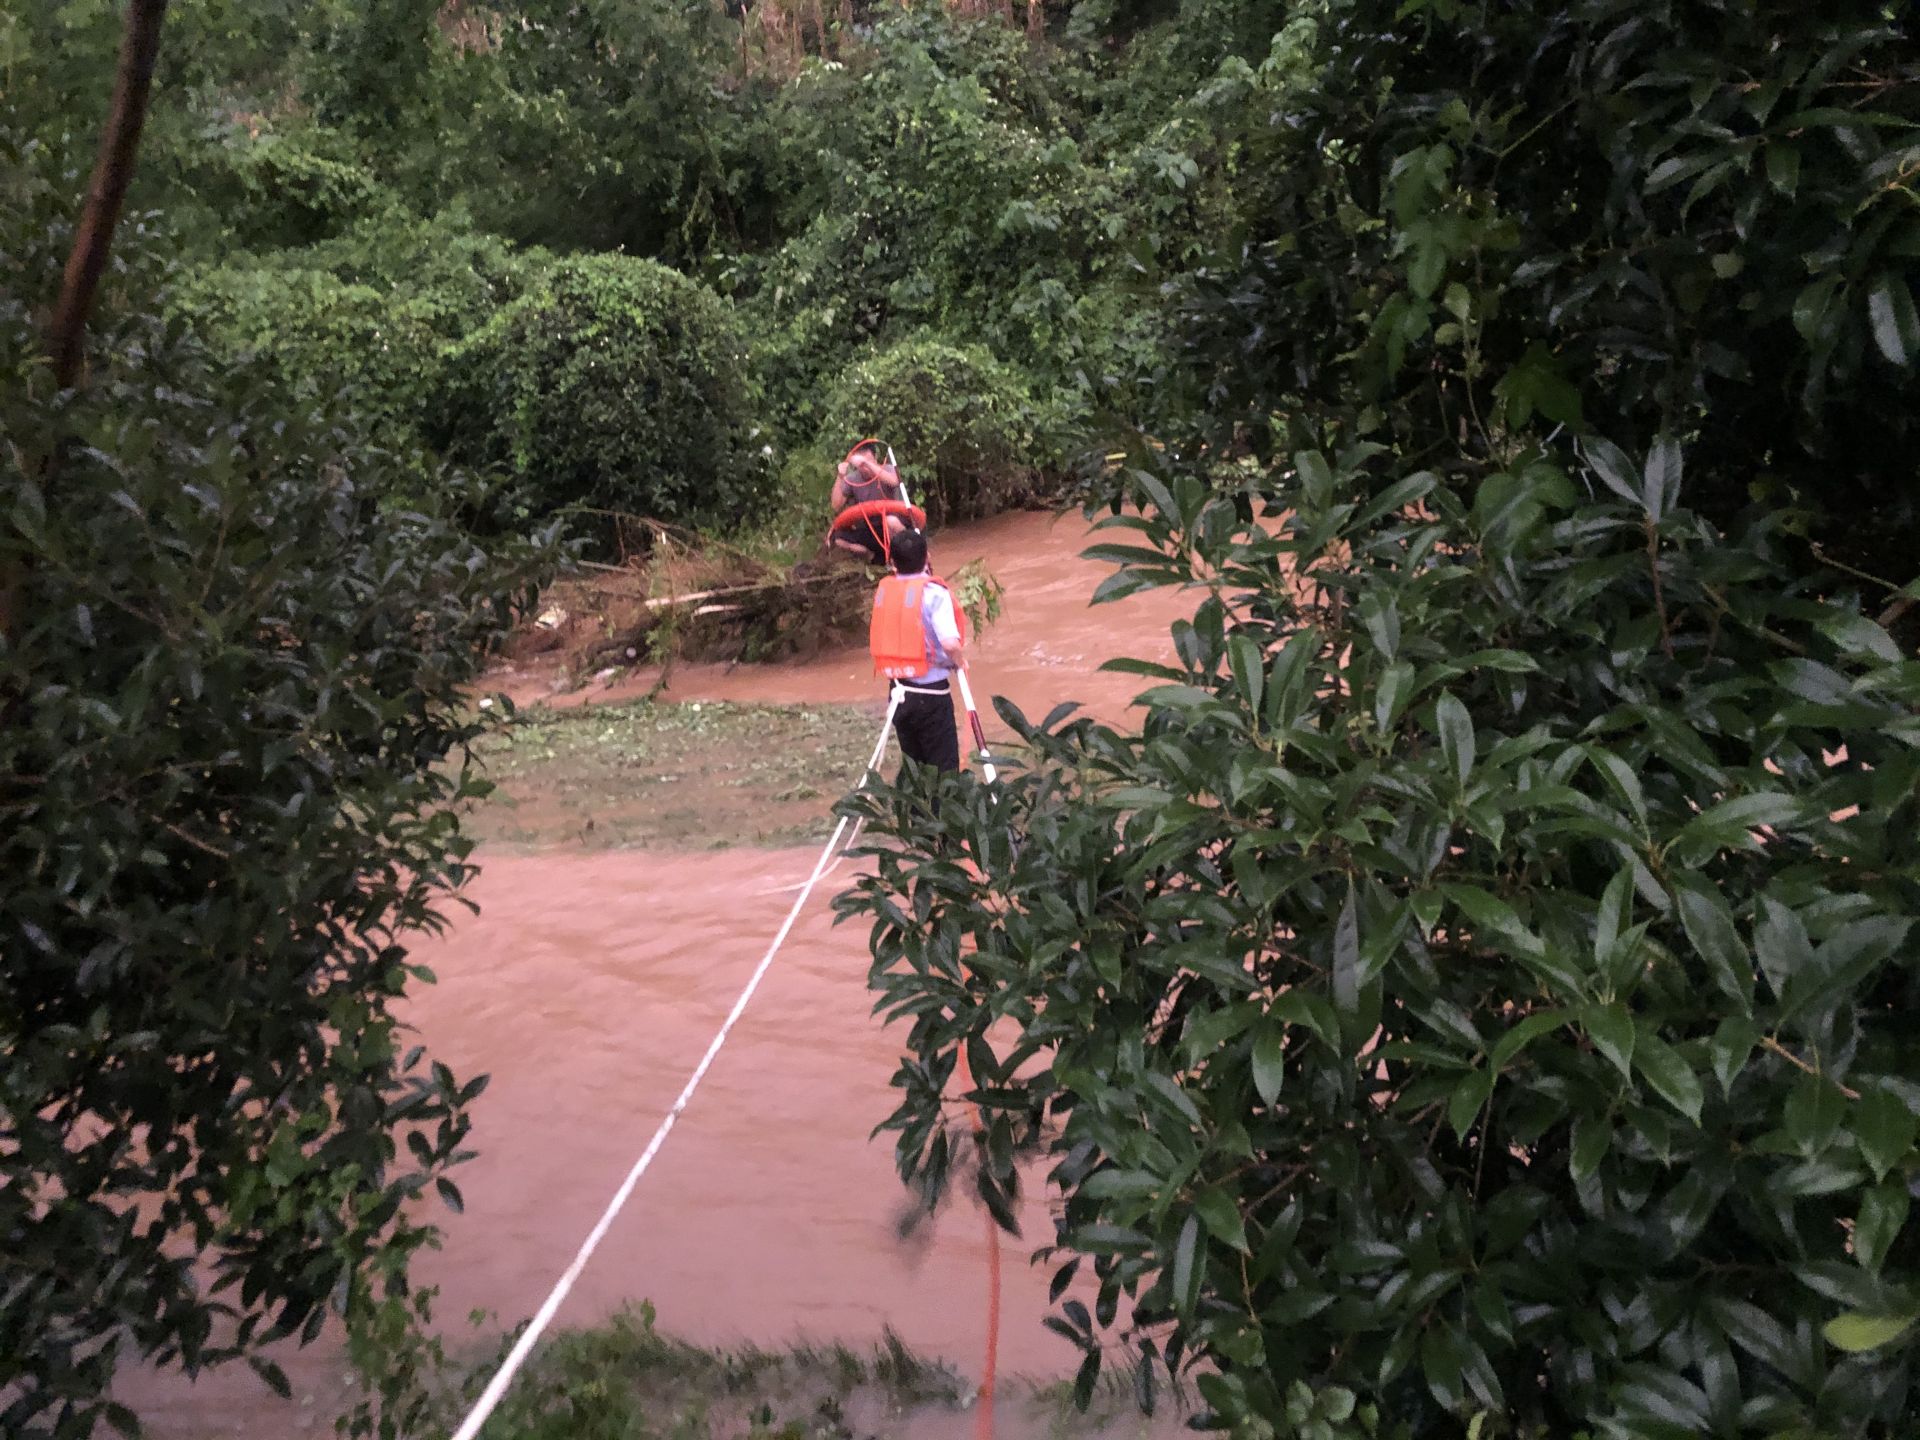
(946, 629)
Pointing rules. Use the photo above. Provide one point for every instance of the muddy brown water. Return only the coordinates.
(589, 985)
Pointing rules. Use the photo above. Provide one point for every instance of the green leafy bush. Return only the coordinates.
(614, 384)
(266, 183)
(1698, 222)
(315, 334)
(234, 732)
(1479, 984)
(1472, 1000)
(366, 316)
(934, 186)
(604, 125)
(960, 423)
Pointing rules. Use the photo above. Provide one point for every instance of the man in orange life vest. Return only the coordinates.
(918, 638)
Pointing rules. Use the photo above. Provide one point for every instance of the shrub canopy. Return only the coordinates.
(234, 731)
(615, 384)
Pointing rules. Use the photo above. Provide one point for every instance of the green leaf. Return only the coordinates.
(1613, 932)
(1525, 1033)
(1709, 925)
(1346, 955)
(1428, 268)
(1856, 1332)
(1668, 1072)
(1812, 1113)
(1186, 1273)
(1612, 1031)
(1316, 477)
(1468, 1097)
(1442, 1356)
(1884, 1129)
(1857, 635)
(1896, 328)
(1783, 165)
(1207, 1030)
(1269, 1061)
(1176, 1097)
(1625, 783)
(1113, 1184)
(1610, 463)
(1227, 971)
(1883, 1211)
(1664, 470)
(1456, 735)
(1815, 312)
(1221, 1216)
(1731, 1047)
(1249, 675)
(270, 1372)
(1780, 942)
(1085, 1378)
(1396, 682)
(1727, 823)
(1382, 618)
(1489, 912)
(1394, 498)
(1591, 1139)
(1157, 493)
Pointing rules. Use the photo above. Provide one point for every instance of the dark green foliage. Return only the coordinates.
(614, 384)
(937, 187)
(605, 125)
(367, 316)
(1687, 219)
(232, 729)
(1452, 994)
(313, 334)
(961, 425)
(279, 187)
(1474, 1001)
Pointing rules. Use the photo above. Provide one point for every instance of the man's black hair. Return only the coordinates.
(909, 551)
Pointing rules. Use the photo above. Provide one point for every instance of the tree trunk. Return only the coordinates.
(112, 170)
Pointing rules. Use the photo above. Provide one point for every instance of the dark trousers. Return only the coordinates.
(927, 730)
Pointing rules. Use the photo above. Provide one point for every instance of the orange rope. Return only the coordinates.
(989, 1370)
(983, 1423)
(983, 1419)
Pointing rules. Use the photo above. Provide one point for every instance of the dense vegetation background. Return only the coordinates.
(1478, 989)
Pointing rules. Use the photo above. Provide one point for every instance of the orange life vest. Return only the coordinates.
(898, 635)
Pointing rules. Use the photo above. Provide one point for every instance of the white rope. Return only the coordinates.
(496, 1389)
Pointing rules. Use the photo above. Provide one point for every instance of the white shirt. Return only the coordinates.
(942, 627)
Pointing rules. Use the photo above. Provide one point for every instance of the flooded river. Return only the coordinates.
(588, 986)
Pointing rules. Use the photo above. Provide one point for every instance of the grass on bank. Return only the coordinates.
(624, 1380)
(692, 775)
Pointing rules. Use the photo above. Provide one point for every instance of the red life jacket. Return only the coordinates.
(898, 635)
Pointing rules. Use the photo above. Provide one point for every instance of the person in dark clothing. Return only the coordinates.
(918, 639)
